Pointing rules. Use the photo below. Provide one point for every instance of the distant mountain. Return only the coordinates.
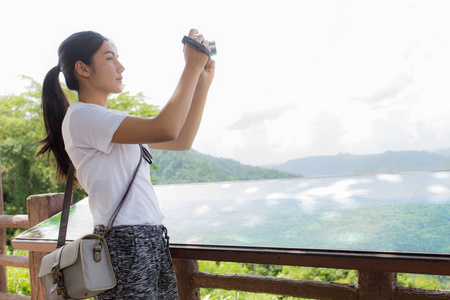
(347, 164)
(192, 166)
(443, 152)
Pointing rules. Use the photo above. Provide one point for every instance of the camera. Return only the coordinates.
(212, 47)
(200, 47)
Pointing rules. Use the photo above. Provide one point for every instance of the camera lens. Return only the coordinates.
(212, 47)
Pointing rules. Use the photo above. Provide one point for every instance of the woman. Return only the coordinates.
(103, 146)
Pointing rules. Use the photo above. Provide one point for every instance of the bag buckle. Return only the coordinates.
(57, 282)
(98, 251)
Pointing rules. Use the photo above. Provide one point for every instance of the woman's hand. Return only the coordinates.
(207, 75)
(194, 58)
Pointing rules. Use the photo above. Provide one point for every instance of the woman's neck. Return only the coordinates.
(93, 97)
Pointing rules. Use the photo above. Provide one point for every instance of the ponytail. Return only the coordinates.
(80, 46)
(54, 107)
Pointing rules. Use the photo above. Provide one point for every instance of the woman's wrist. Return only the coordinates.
(197, 69)
(203, 85)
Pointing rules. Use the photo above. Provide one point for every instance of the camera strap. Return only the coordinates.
(196, 45)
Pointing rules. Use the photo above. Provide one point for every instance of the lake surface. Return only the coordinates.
(402, 212)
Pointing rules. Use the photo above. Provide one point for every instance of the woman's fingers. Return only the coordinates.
(195, 56)
(192, 33)
(199, 38)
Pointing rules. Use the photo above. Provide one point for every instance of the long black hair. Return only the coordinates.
(80, 46)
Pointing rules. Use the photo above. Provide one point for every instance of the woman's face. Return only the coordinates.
(106, 70)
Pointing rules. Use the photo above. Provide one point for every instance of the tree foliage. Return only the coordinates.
(192, 167)
(22, 126)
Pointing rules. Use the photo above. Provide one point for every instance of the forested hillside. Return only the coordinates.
(192, 166)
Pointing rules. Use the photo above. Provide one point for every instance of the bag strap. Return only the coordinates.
(110, 223)
(66, 207)
(68, 197)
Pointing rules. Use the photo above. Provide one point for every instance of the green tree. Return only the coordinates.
(420, 281)
(22, 126)
(320, 274)
(133, 104)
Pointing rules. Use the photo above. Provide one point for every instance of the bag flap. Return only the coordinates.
(47, 263)
(68, 257)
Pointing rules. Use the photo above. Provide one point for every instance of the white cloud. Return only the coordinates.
(258, 118)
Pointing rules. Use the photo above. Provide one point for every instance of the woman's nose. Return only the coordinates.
(120, 68)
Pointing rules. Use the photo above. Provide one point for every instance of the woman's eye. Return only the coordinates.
(110, 58)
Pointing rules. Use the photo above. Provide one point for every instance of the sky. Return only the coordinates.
(293, 78)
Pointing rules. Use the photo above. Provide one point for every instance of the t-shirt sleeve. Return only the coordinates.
(93, 126)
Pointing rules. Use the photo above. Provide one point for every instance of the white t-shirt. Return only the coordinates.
(104, 169)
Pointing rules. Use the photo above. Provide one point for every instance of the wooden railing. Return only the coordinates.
(18, 221)
(377, 271)
(373, 282)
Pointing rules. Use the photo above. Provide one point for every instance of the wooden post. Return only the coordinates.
(3, 274)
(376, 285)
(40, 208)
(185, 270)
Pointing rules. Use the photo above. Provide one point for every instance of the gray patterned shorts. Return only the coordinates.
(142, 263)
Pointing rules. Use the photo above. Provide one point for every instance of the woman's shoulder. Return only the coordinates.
(85, 106)
(91, 125)
(92, 108)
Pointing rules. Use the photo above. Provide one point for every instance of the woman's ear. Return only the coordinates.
(82, 69)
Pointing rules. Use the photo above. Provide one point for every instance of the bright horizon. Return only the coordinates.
(293, 78)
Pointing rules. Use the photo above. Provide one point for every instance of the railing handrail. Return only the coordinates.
(418, 263)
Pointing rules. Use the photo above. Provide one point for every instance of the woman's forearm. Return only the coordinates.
(193, 120)
(175, 113)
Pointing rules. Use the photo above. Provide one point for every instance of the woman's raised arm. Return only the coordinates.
(191, 125)
(170, 123)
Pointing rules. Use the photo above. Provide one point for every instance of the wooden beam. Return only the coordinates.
(14, 261)
(34, 245)
(376, 285)
(40, 208)
(3, 273)
(404, 293)
(185, 270)
(8, 296)
(276, 286)
(418, 263)
(17, 221)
